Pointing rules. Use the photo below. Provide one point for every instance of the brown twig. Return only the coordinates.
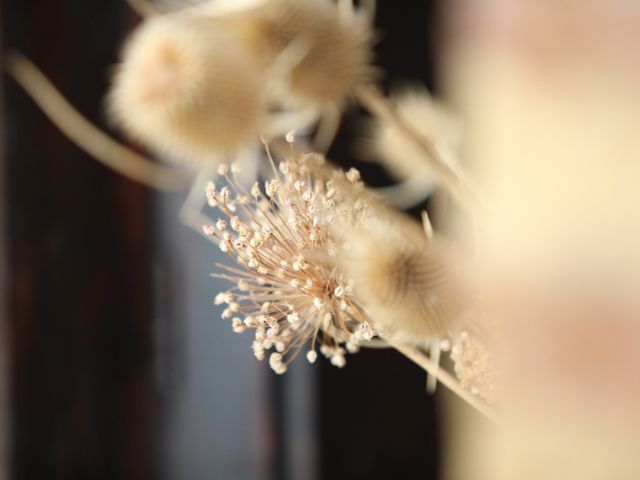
(446, 379)
(86, 135)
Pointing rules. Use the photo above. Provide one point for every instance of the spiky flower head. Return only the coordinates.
(185, 87)
(286, 285)
(407, 283)
(336, 49)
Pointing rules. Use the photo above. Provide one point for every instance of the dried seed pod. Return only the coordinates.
(475, 366)
(185, 87)
(408, 284)
(339, 52)
(427, 116)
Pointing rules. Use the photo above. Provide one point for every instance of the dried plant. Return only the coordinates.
(319, 262)
(446, 174)
(474, 366)
(431, 118)
(87, 136)
(180, 94)
(287, 285)
(337, 46)
(408, 283)
(313, 53)
(316, 55)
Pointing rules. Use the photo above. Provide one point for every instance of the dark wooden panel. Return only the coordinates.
(5, 467)
(83, 401)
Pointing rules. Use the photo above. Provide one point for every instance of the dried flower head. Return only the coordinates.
(286, 285)
(474, 366)
(185, 87)
(407, 283)
(339, 48)
(428, 117)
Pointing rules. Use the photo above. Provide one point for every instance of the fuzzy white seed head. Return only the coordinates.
(186, 88)
(339, 47)
(407, 284)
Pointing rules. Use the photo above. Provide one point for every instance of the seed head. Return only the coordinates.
(408, 284)
(339, 52)
(284, 242)
(186, 88)
(474, 366)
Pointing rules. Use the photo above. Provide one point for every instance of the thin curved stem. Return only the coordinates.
(410, 192)
(86, 135)
(327, 130)
(446, 379)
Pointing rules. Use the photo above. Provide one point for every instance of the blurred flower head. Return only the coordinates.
(428, 117)
(186, 88)
(335, 50)
(408, 283)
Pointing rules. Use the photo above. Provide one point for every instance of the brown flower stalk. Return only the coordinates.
(447, 380)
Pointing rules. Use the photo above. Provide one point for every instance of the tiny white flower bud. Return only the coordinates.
(353, 175)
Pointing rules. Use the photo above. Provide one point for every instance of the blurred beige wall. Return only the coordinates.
(550, 92)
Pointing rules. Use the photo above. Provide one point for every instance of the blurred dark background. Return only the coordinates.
(116, 368)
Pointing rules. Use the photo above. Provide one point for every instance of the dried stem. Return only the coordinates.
(446, 379)
(86, 135)
(378, 105)
(145, 8)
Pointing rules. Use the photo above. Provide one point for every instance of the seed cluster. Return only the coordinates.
(474, 367)
(198, 84)
(284, 238)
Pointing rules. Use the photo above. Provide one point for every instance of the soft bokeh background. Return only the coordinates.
(550, 94)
